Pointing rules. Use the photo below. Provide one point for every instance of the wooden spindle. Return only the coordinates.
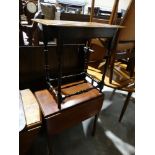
(92, 10)
(113, 15)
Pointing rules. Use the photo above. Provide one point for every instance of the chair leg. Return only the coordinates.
(111, 68)
(112, 95)
(131, 66)
(94, 124)
(125, 106)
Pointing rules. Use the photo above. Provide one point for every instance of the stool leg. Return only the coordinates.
(112, 95)
(125, 106)
(94, 124)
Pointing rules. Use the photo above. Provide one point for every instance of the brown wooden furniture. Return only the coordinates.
(30, 120)
(99, 45)
(61, 30)
(68, 98)
(125, 39)
(113, 15)
(121, 81)
(74, 109)
(125, 49)
(119, 75)
(112, 18)
(66, 103)
(32, 75)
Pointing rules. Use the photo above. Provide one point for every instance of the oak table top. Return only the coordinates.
(69, 31)
(64, 23)
(76, 30)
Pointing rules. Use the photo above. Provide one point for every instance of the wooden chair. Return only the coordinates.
(119, 75)
(99, 45)
(121, 81)
(125, 39)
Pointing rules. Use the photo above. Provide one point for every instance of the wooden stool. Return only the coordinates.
(74, 109)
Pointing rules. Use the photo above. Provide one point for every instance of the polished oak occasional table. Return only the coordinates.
(83, 100)
(71, 30)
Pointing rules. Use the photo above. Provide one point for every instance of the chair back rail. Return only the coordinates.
(128, 33)
(113, 15)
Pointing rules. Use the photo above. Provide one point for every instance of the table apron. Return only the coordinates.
(77, 33)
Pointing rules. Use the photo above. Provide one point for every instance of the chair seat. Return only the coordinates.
(121, 79)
